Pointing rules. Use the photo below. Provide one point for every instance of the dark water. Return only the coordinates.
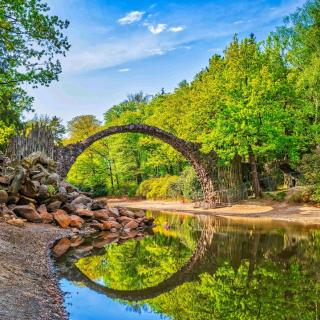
(195, 269)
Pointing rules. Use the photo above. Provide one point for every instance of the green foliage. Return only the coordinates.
(51, 189)
(310, 168)
(276, 196)
(31, 40)
(189, 185)
(158, 188)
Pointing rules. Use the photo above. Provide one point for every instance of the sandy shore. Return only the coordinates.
(28, 288)
(247, 210)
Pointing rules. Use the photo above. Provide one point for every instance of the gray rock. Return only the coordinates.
(27, 212)
(82, 199)
(30, 189)
(3, 196)
(53, 179)
(43, 191)
(53, 206)
(98, 205)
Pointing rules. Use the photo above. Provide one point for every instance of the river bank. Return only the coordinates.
(251, 210)
(28, 287)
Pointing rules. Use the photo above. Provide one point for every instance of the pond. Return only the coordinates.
(194, 268)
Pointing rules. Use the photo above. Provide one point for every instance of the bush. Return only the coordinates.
(315, 193)
(157, 188)
(172, 187)
(303, 195)
(310, 168)
(188, 185)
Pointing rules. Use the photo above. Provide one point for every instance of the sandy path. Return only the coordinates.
(256, 210)
(28, 289)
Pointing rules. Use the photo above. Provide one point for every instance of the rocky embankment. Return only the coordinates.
(32, 191)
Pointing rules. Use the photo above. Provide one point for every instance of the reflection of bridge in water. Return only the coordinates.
(215, 241)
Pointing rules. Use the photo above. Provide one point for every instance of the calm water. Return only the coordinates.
(195, 269)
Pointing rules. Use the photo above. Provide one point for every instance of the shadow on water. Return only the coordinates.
(194, 268)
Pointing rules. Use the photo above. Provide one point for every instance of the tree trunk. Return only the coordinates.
(254, 175)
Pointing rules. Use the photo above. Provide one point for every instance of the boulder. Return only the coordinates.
(28, 212)
(4, 180)
(7, 211)
(73, 195)
(83, 249)
(96, 225)
(98, 205)
(16, 222)
(55, 205)
(76, 221)
(43, 191)
(62, 190)
(139, 214)
(62, 197)
(53, 179)
(132, 225)
(61, 247)
(30, 189)
(24, 200)
(3, 197)
(85, 213)
(108, 225)
(13, 199)
(67, 186)
(129, 214)
(46, 217)
(76, 241)
(124, 219)
(42, 209)
(19, 177)
(62, 218)
(101, 215)
(69, 208)
(82, 199)
(115, 212)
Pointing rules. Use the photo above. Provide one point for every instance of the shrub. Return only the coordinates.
(310, 168)
(188, 185)
(157, 188)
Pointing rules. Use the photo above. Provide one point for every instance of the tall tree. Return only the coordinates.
(30, 42)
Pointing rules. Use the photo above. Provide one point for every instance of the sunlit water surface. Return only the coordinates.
(195, 268)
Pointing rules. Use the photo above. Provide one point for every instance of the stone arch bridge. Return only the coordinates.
(202, 260)
(203, 164)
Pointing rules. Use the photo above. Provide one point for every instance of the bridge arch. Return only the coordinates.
(203, 164)
(187, 273)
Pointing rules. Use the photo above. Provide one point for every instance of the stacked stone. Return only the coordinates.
(32, 191)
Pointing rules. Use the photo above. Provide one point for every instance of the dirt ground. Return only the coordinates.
(28, 288)
(247, 210)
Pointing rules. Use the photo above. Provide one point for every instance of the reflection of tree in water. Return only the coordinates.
(233, 273)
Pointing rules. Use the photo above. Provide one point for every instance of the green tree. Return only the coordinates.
(30, 42)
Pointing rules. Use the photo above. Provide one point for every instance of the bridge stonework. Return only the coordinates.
(203, 164)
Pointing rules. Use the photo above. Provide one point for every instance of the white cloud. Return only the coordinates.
(238, 22)
(214, 50)
(115, 52)
(160, 27)
(124, 70)
(131, 17)
(176, 29)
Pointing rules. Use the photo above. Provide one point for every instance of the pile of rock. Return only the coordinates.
(32, 191)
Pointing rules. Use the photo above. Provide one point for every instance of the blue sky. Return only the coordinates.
(121, 47)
